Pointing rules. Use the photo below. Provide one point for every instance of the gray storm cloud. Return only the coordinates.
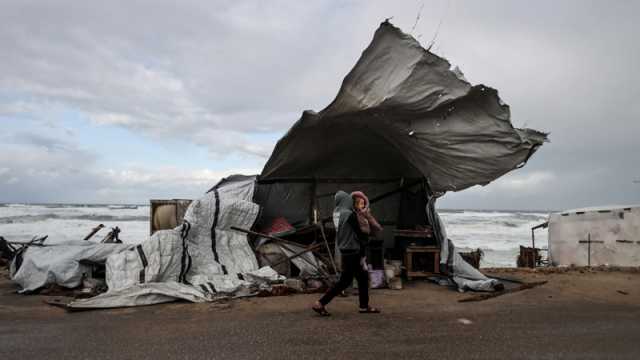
(217, 74)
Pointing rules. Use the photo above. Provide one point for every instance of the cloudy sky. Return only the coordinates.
(120, 102)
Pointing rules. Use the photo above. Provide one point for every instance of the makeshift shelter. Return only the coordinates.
(404, 128)
(608, 235)
(402, 117)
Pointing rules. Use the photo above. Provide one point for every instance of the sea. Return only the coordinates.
(499, 234)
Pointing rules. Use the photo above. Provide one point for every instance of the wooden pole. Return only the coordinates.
(93, 232)
(533, 239)
(274, 238)
(299, 253)
(326, 242)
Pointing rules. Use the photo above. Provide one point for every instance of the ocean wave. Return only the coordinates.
(70, 206)
(510, 224)
(532, 217)
(23, 219)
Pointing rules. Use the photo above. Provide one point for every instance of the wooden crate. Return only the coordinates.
(473, 257)
(528, 257)
(432, 254)
(167, 214)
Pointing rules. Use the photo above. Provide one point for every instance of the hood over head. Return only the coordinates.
(361, 195)
(343, 201)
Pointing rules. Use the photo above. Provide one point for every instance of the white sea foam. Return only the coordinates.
(498, 233)
(62, 223)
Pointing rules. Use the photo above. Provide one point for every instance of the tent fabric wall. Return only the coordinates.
(159, 259)
(290, 200)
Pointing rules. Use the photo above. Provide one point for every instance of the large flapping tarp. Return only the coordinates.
(402, 112)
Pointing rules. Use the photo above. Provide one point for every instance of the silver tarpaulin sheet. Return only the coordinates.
(402, 112)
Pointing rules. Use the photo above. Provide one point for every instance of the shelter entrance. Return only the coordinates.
(400, 205)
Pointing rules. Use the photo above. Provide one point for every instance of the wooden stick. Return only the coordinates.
(313, 247)
(326, 242)
(93, 232)
(274, 238)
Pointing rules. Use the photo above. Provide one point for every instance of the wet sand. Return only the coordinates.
(575, 315)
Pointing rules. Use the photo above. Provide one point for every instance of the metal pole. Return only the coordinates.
(533, 239)
(589, 249)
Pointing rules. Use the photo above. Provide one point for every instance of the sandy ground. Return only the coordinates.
(576, 315)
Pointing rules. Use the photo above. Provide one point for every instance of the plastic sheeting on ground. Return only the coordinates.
(201, 260)
(59, 264)
(143, 294)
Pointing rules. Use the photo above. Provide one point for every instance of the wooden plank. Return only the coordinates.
(420, 234)
(423, 249)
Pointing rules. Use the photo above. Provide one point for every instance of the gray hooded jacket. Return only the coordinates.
(348, 235)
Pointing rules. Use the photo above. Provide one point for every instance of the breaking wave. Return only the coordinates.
(498, 233)
(24, 219)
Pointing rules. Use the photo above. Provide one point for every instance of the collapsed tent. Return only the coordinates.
(200, 260)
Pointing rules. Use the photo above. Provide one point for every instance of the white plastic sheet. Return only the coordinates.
(59, 264)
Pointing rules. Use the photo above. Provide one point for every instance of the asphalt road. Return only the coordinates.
(423, 321)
